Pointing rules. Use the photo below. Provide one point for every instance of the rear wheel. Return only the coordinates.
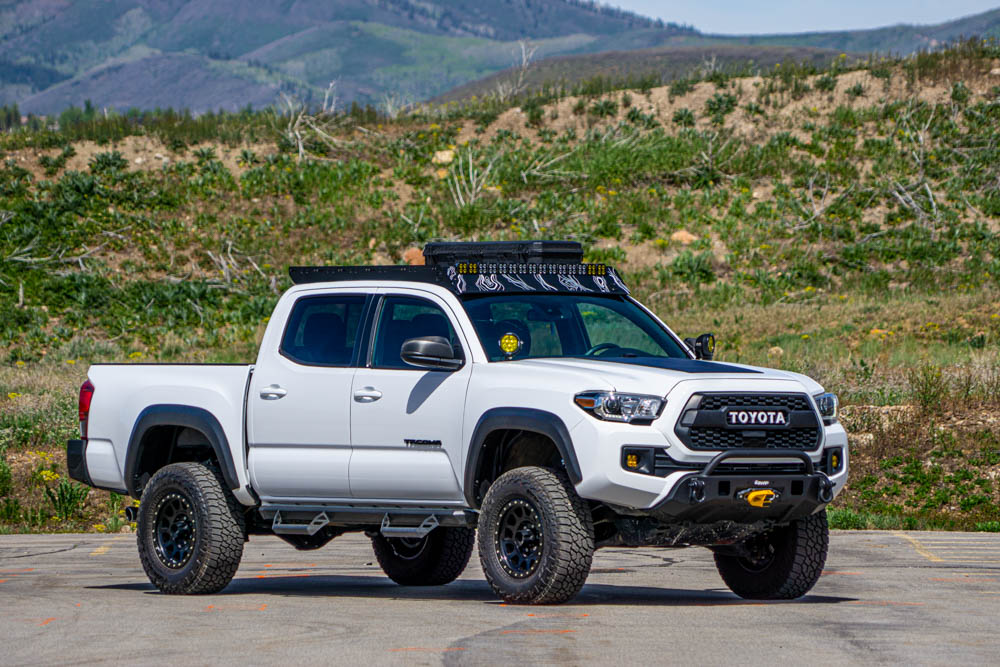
(436, 559)
(190, 530)
(536, 537)
(782, 564)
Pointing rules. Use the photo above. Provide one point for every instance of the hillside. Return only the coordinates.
(898, 39)
(842, 223)
(370, 46)
(683, 54)
(657, 65)
(135, 53)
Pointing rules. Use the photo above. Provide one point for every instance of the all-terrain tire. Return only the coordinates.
(434, 560)
(794, 560)
(190, 530)
(544, 564)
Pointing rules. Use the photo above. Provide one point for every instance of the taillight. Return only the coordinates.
(86, 395)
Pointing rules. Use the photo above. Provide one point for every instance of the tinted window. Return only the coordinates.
(323, 330)
(403, 318)
(568, 325)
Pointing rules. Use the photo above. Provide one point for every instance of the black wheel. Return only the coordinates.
(433, 560)
(783, 564)
(536, 537)
(190, 530)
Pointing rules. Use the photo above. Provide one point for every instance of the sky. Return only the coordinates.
(775, 16)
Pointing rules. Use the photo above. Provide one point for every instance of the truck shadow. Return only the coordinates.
(471, 590)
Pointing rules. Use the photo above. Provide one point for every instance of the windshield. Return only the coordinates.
(568, 325)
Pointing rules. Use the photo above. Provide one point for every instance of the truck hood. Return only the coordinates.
(657, 375)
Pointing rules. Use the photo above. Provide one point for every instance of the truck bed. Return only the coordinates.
(123, 391)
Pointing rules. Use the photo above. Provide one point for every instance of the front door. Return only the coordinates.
(299, 406)
(406, 423)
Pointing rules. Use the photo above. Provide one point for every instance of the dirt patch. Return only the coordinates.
(142, 154)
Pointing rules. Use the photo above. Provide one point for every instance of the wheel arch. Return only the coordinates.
(153, 419)
(528, 420)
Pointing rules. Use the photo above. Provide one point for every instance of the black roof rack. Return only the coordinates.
(484, 268)
(504, 252)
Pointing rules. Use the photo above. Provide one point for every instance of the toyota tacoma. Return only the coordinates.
(503, 394)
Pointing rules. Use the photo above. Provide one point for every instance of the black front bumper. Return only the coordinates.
(707, 497)
(76, 461)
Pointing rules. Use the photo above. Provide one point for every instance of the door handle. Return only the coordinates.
(272, 393)
(367, 395)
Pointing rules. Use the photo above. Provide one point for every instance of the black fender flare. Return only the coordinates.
(520, 419)
(188, 416)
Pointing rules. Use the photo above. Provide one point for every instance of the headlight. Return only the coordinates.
(615, 407)
(827, 404)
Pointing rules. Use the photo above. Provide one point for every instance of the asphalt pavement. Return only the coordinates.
(918, 598)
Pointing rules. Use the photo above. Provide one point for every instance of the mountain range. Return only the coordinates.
(211, 54)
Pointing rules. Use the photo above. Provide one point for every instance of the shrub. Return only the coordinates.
(693, 269)
(684, 118)
(67, 499)
(826, 83)
(6, 478)
(604, 108)
(856, 91)
(103, 163)
(720, 105)
(928, 387)
(960, 93)
(681, 87)
(845, 519)
(536, 115)
(988, 526)
(10, 510)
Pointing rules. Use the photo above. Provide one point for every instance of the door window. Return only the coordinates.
(403, 318)
(323, 330)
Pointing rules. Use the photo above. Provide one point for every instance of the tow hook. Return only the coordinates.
(825, 489)
(697, 489)
(131, 514)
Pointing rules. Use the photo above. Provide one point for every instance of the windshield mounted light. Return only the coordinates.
(827, 405)
(617, 407)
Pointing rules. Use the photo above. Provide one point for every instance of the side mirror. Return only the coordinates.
(431, 352)
(704, 346)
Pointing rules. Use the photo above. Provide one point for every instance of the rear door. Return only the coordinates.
(406, 423)
(299, 406)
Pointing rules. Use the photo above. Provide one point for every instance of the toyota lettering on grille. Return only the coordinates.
(756, 418)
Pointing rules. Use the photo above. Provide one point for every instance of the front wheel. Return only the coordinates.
(190, 530)
(536, 537)
(436, 559)
(782, 564)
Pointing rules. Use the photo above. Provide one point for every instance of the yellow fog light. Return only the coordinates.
(510, 344)
(632, 461)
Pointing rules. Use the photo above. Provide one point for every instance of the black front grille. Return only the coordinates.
(723, 401)
(703, 424)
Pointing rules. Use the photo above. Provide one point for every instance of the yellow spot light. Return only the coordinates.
(510, 344)
(632, 461)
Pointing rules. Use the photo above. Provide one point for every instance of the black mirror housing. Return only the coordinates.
(432, 353)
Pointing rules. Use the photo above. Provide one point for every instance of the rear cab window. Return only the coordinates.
(324, 330)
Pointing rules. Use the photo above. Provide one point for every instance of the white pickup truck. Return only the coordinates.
(507, 387)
